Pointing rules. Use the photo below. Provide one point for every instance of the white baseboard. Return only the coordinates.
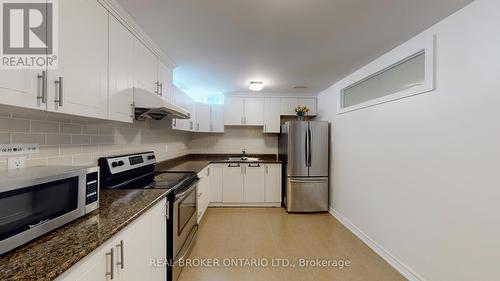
(402, 268)
(245, 205)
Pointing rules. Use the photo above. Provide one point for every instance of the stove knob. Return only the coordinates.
(114, 164)
(151, 157)
(121, 163)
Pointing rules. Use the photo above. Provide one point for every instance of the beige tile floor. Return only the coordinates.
(271, 233)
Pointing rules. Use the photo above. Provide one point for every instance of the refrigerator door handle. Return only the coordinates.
(309, 160)
(308, 181)
(306, 149)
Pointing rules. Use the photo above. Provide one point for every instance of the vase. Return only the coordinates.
(301, 117)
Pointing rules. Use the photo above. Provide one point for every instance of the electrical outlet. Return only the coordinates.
(166, 148)
(16, 163)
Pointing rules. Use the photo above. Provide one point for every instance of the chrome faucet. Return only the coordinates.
(244, 154)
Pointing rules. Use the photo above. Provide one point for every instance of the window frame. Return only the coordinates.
(388, 61)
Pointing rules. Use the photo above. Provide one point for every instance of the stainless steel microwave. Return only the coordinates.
(36, 200)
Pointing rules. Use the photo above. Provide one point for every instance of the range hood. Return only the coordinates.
(151, 106)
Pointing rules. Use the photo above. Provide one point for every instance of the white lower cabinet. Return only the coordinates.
(272, 183)
(203, 192)
(232, 183)
(248, 183)
(253, 183)
(127, 255)
(216, 181)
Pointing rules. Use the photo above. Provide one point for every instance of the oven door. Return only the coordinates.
(185, 211)
(35, 208)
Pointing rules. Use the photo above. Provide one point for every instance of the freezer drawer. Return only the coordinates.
(307, 194)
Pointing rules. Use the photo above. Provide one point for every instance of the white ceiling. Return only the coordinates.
(219, 46)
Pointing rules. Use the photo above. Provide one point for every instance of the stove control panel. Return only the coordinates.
(125, 163)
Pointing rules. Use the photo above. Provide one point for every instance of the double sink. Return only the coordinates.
(242, 159)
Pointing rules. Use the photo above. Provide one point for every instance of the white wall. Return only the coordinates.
(420, 176)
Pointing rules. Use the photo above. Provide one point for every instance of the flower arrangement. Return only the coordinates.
(301, 111)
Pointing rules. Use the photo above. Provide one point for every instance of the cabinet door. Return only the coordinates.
(272, 115)
(202, 117)
(310, 103)
(79, 85)
(288, 106)
(254, 111)
(234, 110)
(158, 235)
(254, 191)
(166, 78)
(146, 68)
(121, 72)
(232, 183)
(203, 193)
(273, 183)
(216, 182)
(93, 267)
(217, 118)
(21, 88)
(189, 124)
(135, 253)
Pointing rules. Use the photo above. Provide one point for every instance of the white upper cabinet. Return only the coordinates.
(234, 110)
(165, 82)
(146, 68)
(22, 88)
(288, 105)
(254, 112)
(272, 115)
(79, 85)
(217, 118)
(311, 103)
(202, 114)
(121, 72)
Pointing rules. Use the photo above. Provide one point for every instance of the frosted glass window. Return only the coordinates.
(399, 77)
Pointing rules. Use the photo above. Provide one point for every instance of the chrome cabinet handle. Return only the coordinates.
(157, 84)
(121, 262)
(59, 83)
(43, 76)
(197, 126)
(111, 273)
(267, 169)
(254, 165)
(161, 89)
(233, 166)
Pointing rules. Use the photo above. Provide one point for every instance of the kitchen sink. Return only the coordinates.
(242, 159)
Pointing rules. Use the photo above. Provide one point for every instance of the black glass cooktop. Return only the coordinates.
(169, 180)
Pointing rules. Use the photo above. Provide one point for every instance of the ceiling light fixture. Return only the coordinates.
(256, 86)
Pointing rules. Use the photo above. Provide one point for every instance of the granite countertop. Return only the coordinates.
(53, 253)
(197, 162)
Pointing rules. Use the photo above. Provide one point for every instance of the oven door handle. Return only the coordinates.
(177, 196)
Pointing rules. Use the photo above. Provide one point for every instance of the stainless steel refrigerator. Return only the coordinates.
(303, 148)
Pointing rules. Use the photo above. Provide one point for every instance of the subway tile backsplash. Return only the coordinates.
(68, 142)
(72, 143)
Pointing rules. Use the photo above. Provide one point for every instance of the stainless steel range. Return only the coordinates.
(137, 171)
